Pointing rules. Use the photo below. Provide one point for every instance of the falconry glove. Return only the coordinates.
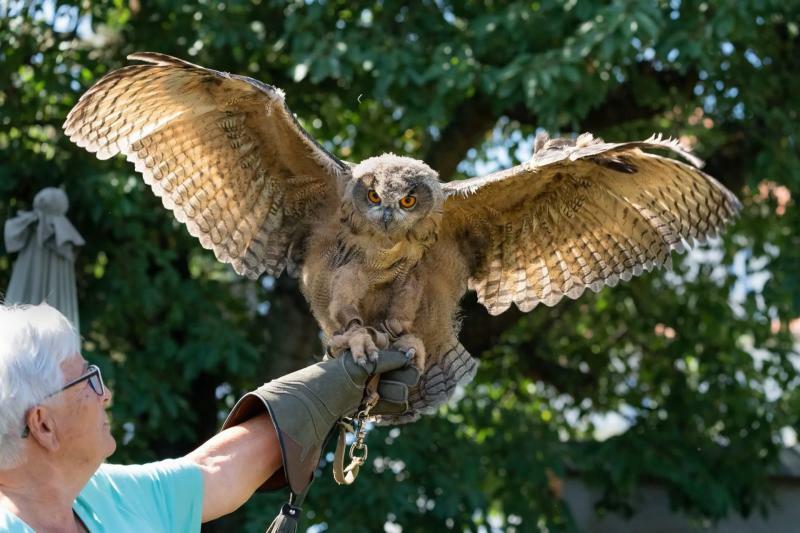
(304, 407)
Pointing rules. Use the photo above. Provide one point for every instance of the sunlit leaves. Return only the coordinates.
(694, 367)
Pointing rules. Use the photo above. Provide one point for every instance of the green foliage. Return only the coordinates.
(698, 361)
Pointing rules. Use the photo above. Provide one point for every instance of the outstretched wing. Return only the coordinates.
(223, 152)
(580, 214)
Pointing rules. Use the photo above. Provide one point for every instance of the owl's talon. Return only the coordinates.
(360, 343)
(412, 346)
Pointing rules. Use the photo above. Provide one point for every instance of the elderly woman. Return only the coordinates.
(55, 437)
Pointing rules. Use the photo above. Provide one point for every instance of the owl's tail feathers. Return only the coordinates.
(455, 367)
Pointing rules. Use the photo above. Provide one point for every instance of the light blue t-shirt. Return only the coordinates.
(163, 496)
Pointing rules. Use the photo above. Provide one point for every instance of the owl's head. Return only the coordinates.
(393, 194)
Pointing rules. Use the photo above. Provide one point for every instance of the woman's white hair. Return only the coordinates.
(34, 341)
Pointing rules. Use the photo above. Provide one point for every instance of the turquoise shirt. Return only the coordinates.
(164, 496)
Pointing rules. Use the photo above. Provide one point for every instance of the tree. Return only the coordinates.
(698, 361)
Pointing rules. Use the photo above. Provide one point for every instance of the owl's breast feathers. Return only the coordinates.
(382, 262)
(384, 258)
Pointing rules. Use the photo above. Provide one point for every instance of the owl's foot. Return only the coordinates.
(362, 342)
(411, 343)
(395, 328)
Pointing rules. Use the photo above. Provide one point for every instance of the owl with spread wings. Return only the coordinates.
(383, 250)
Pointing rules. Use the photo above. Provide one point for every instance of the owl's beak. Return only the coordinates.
(388, 216)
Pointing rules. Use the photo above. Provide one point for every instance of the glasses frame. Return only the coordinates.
(92, 371)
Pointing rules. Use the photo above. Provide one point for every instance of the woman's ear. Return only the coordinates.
(42, 427)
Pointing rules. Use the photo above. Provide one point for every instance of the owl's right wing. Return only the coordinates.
(579, 215)
(224, 153)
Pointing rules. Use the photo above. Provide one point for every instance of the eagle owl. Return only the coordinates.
(384, 251)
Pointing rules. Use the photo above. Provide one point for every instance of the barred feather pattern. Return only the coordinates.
(581, 215)
(223, 152)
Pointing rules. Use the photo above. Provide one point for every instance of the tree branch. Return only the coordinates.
(729, 162)
(472, 119)
(621, 104)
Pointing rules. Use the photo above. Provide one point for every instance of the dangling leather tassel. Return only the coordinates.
(287, 521)
(289, 518)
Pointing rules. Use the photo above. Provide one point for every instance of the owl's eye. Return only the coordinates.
(407, 202)
(373, 196)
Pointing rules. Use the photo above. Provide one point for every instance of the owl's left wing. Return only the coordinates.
(580, 214)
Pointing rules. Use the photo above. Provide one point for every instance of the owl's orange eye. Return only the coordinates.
(373, 196)
(407, 202)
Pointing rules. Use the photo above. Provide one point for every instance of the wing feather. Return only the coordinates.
(223, 152)
(582, 214)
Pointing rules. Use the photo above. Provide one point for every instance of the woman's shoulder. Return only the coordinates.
(10, 523)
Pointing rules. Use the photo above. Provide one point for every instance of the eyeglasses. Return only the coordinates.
(92, 375)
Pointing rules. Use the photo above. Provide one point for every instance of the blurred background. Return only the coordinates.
(668, 403)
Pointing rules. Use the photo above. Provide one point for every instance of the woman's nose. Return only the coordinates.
(107, 396)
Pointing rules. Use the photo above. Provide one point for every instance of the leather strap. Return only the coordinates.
(347, 475)
(341, 476)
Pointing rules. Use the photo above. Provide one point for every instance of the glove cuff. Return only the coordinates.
(297, 464)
